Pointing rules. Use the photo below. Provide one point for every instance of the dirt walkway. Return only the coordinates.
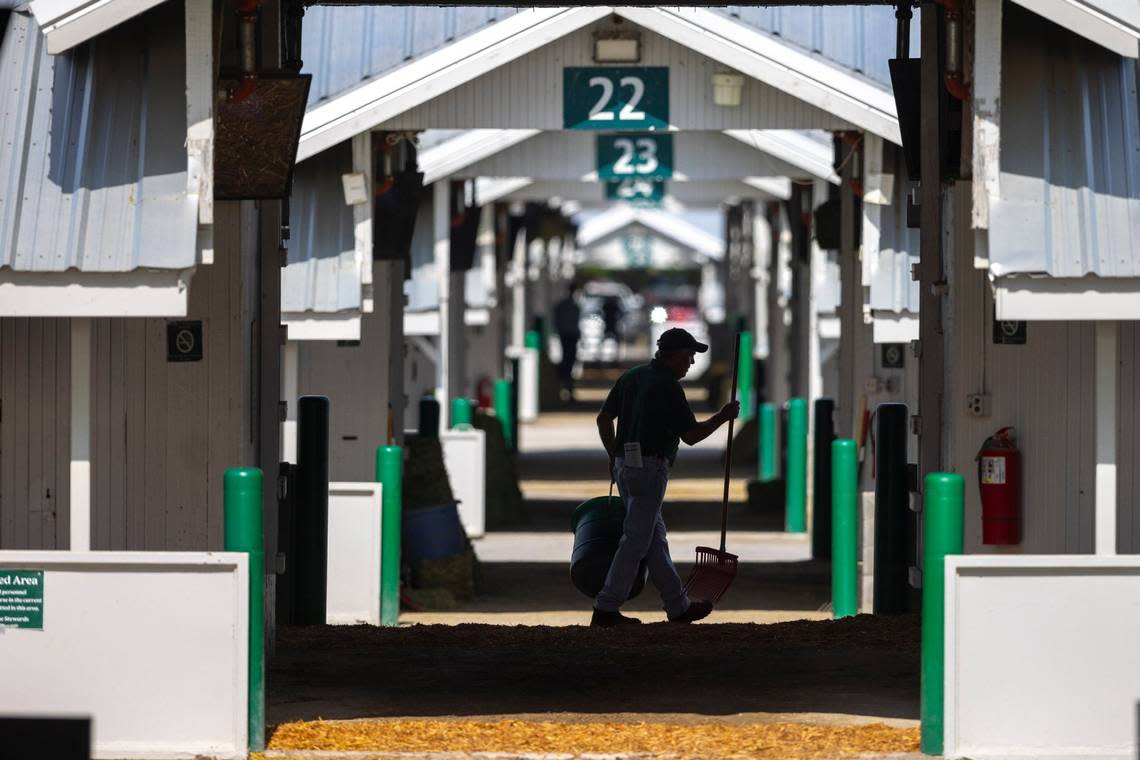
(860, 666)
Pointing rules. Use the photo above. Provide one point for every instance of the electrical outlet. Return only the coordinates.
(978, 404)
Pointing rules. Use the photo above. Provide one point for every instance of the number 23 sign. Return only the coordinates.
(631, 97)
(644, 156)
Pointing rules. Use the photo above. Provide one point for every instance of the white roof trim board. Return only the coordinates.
(762, 56)
(667, 225)
(456, 154)
(67, 23)
(1113, 24)
(384, 97)
(809, 150)
(491, 189)
(768, 59)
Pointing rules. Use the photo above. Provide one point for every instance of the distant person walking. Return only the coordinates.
(611, 315)
(567, 321)
(653, 417)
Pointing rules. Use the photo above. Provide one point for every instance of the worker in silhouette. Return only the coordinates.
(567, 321)
(653, 417)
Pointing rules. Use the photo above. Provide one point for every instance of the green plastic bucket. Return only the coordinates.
(597, 527)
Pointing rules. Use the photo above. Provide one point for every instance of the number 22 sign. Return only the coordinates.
(630, 97)
(644, 156)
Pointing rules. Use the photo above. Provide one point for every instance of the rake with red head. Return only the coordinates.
(715, 569)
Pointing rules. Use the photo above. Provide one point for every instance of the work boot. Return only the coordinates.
(604, 619)
(696, 611)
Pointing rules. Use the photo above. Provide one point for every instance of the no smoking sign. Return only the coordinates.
(184, 341)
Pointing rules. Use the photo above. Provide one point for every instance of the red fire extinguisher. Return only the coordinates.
(999, 480)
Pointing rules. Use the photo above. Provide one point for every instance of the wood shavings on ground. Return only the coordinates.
(793, 741)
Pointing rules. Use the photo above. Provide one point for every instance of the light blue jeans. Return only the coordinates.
(643, 536)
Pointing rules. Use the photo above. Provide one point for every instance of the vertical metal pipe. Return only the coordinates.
(310, 566)
(942, 536)
(242, 488)
(767, 448)
(390, 474)
(903, 15)
(796, 480)
(891, 508)
(844, 509)
(823, 435)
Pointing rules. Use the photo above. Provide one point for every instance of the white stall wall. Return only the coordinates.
(1042, 657)
(465, 456)
(162, 433)
(35, 432)
(1128, 442)
(355, 377)
(355, 543)
(1044, 389)
(153, 646)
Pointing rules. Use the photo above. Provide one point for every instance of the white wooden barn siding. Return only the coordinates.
(422, 287)
(698, 156)
(1045, 389)
(35, 439)
(527, 93)
(164, 433)
(355, 379)
(1128, 442)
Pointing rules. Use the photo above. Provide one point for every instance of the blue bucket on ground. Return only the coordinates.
(432, 533)
(597, 527)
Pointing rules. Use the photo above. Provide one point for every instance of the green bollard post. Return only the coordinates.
(242, 490)
(844, 528)
(460, 413)
(942, 517)
(767, 447)
(795, 503)
(503, 410)
(746, 392)
(533, 339)
(390, 474)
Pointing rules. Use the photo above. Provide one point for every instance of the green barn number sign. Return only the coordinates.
(628, 97)
(641, 192)
(635, 156)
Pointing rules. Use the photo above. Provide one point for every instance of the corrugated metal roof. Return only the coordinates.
(324, 273)
(93, 162)
(345, 45)
(1069, 200)
(857, 37)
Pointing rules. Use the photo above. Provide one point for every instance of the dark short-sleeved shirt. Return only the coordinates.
(651, 408)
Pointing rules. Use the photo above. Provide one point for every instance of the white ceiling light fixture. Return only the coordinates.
(727, 89)
(617, 47)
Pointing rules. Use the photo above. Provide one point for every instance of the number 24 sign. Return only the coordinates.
(629, 97)
(644, 156)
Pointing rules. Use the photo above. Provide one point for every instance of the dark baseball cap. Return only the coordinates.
(676, 339)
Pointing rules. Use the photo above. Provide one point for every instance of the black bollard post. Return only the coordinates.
(891, 496)
(822, 436)
(429, 417)
(312, 511)
(515, 403)
(286, 593)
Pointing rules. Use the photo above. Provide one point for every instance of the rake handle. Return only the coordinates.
(728, 446)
